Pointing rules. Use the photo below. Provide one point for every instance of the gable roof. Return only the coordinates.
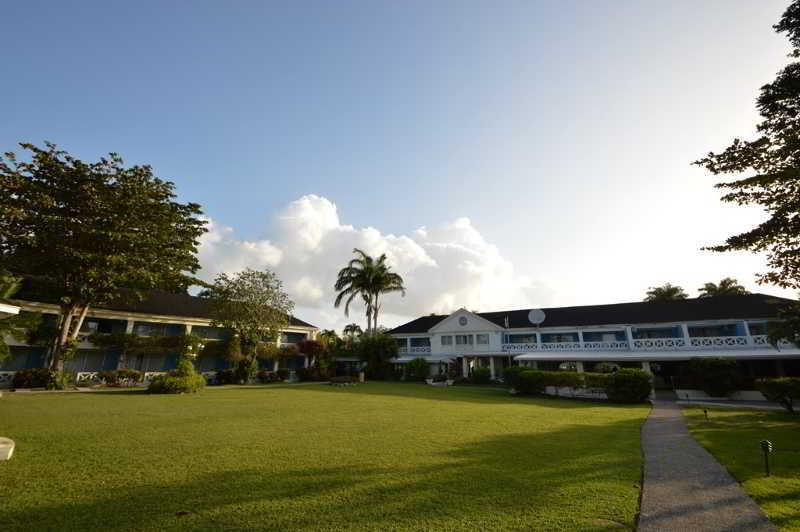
(699, 309)
(154, 302)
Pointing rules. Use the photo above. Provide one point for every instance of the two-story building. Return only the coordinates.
(158, 314)
(635, 334)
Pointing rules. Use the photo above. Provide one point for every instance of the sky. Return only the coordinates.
(503, 154)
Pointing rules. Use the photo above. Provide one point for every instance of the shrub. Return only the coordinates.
(282, 373)
(606, 367)
(595, 381)
(344, 379)
(439, 378)
(266, 377)
(175, 384)
(784, 391)
(119, 377)
(565, 379)
(227, 376)
(628, 386)
(481, 376)
(511, 376)
(182, 380)
(417, 370)
(35, 378)
(716, 376)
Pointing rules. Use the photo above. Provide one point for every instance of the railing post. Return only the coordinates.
(748, 338)
(686, 337)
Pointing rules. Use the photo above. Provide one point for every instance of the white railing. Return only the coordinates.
(713, 342)
(520, 347)
(760, 339)
(606, 346)
(5, 378)
(419, 349)
(148, 375)
(659, 344)
(87, 377)
(560, 346)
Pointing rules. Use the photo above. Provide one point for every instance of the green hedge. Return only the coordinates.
(172, 384)
(625, 385)
(118, 377)
(417, 370)
(784, 391)
(35, 378)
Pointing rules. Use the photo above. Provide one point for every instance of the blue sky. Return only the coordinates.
(563, 131)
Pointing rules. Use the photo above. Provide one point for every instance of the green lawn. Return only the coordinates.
(376, 456)
(733, 436)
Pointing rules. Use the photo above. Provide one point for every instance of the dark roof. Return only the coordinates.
(708, 308)
(155, 302)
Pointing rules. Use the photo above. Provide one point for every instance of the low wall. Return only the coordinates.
(738, 395)
(565, 391)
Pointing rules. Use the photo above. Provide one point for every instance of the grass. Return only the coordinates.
(376, 456)
(733, 437)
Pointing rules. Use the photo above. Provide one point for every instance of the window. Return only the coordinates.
(292, 337)
(447, 340)
(757, 329)
(464, 339)
(144, 328)
(520, 339)
(482, 339)
(559, 338)
(420, 342)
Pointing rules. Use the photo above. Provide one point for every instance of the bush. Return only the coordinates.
(716, 376)
(175, 384)
(119, 377)
(784, 391)
(511, 376)
(227, 376)
(345, 379)
(417, 370)
(596, 381)
(606, 367)
(628, 386)
(282, 373)
(266, 377)
(532, 381)
(35, 378)
(480, 376)
(182, 380)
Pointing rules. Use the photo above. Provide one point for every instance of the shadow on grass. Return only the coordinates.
(577, 478)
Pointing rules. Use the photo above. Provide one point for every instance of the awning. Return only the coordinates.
(430, 360)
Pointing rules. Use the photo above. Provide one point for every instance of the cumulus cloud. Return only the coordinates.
(444, 267)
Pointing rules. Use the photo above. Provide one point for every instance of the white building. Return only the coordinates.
(635, 334)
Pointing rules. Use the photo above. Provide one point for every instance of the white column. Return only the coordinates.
(305, 361)
(129, 327)
(580, 338)
(534, 364)
(491, 367)
(685, 330)
(629, 336)
(538, 340)
(579, 366)
(464, 367)
(748, 338)
(189, 329)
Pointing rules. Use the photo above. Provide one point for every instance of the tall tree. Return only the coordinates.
(367, 278)
(667, 292)
(254, 306)
(726, 287)
(18, 326)
(770, 168)
(90, 233)
(352, 330)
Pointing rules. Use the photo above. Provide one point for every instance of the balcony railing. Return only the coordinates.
(414, 350)
(651, 344)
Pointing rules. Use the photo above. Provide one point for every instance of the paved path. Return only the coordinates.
(685, 488)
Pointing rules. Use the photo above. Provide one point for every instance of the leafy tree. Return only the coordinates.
(17, 327)
(768, 172)
(254, 306)
(90, 233)
(726, 287)
(327, 336)
(377, 351)
(367, 278)
(667, 292)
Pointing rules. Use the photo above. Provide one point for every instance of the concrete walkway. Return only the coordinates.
(685, 488)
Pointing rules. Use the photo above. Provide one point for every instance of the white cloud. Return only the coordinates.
(444, 267)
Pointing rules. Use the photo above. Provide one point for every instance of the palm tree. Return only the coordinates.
(327, 335)
(726, 287)
(368, 278)
(352, 330)
(668, 292)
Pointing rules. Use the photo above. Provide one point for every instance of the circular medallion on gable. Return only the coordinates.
(462, 321)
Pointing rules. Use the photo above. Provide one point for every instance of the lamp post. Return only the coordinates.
(766, 447)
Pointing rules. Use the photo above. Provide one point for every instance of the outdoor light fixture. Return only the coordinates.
(766, 447)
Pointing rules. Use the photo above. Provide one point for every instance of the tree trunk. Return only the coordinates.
(68, 329)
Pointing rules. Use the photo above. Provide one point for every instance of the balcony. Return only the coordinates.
(651, 344)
